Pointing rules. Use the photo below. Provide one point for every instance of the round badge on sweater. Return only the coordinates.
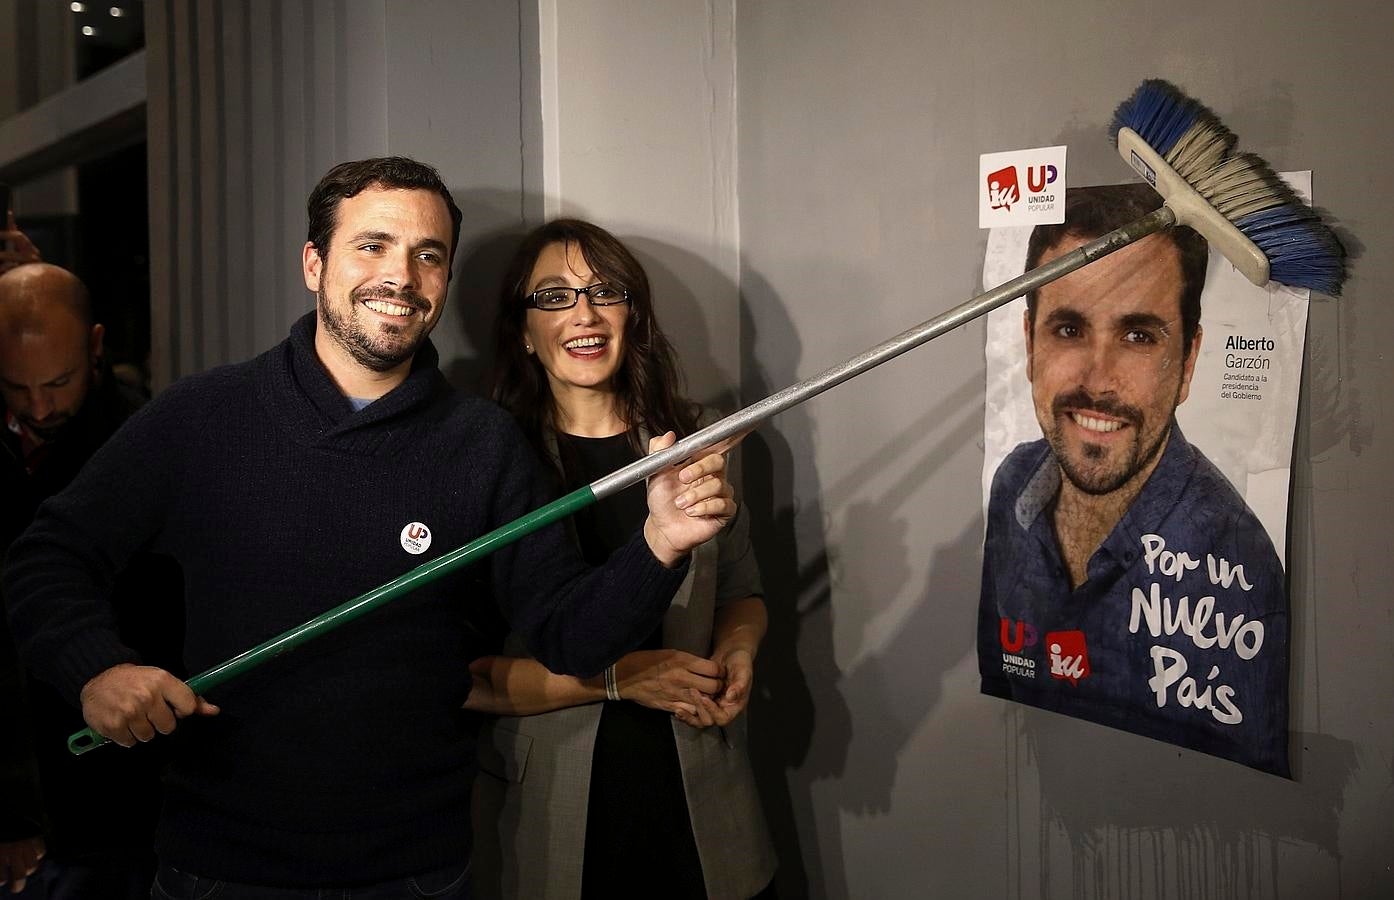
(416, 538)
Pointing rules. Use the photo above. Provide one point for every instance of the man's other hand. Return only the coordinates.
(19, 860)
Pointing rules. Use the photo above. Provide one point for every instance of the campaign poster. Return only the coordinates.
(1135, 482)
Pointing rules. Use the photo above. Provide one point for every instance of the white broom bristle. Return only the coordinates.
(1201, 148)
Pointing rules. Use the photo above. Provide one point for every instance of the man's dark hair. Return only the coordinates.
(352, 178)
(1093, 212)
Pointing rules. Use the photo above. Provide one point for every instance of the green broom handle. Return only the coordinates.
(87, 739)
(738, 423)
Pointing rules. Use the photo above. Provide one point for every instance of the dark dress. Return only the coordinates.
(638, 834)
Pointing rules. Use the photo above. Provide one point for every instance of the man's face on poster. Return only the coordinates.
(1106, 362)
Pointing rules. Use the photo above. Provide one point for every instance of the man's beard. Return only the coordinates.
(1097, 480)
(59, 423)
(378, 352)
(51, 431)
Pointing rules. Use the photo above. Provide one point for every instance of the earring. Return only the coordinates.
(527, 347)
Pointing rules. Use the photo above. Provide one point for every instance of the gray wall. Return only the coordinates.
(251, 101)
(887, 774)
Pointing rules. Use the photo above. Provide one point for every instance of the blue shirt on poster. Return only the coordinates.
(1180, 631)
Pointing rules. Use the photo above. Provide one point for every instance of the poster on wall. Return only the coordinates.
(1138, 440)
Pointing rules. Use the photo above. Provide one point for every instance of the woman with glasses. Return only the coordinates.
(635, 782)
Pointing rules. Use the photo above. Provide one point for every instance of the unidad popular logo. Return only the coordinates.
(1004, 186)
(1013, 641)
(1069, 657)
(416, 538)
(1016, 637)
(1021, 187)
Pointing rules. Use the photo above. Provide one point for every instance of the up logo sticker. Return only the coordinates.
(416, 538)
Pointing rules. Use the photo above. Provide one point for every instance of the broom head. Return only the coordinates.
(1235, 200)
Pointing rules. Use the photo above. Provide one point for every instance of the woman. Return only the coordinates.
(648, 792)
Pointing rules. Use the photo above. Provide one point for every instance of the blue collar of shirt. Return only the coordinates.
(1157, 500)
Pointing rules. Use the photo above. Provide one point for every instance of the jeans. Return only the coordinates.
(449, 883)
(68, 880)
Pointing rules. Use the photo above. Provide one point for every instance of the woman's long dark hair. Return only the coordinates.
(648, 385)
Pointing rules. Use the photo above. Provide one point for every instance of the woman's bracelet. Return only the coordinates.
(612, 688)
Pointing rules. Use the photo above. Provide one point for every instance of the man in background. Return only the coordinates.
(93, 819)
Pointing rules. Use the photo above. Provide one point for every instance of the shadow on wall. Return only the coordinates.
(687, 318)
(896, 688)
(788, 532)
(827, 744)
(1335, 415)
(893, 691)
(488, 239)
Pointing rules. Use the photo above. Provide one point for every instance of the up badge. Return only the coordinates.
(416, 538)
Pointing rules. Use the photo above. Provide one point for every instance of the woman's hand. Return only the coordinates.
(667, 679)
(687, 507)
(740, 675)
(704, 711)
(738, 629)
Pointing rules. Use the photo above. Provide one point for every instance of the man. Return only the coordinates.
(59, 406)
(1125, 581)
(286, 485)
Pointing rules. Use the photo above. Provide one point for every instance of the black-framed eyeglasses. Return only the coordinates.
(558, 298)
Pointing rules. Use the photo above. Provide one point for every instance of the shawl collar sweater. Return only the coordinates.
(348, 760)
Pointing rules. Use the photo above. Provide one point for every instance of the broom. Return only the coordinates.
(1233, 200)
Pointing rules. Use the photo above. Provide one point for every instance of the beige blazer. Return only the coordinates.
(532, 792)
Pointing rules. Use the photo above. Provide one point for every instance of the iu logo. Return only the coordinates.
(1002, 188)
(1069, 658)
(1025, 635)
(416, 538)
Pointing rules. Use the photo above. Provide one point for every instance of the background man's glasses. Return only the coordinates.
(556, 298)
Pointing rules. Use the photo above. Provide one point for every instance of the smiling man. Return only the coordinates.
(327, 466)
(379, 280)
(1109, 590)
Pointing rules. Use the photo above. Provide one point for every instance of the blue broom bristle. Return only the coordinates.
(1302, 251)
(1161, 115)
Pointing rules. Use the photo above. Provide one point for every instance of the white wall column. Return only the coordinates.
(638, 112)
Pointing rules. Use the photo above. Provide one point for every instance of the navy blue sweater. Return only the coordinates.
(348, 760)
